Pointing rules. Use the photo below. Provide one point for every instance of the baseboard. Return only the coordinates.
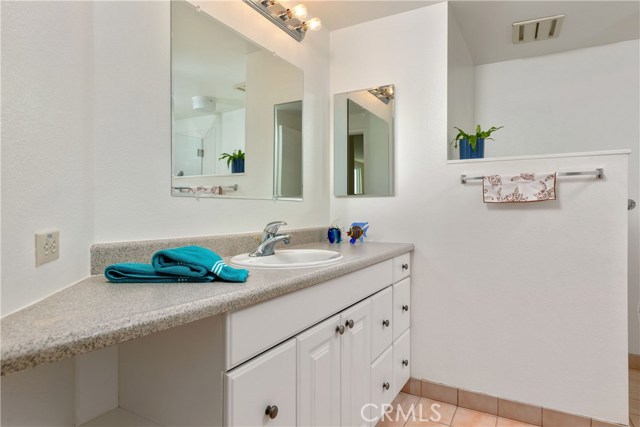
(518, 411)
(634, 361)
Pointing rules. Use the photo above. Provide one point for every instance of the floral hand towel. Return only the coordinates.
(525, 187)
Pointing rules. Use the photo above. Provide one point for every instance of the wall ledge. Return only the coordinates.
(542, 156)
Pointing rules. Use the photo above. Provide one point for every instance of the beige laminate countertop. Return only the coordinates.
(94, 313)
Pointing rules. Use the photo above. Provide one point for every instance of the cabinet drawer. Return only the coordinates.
(267, 381)
(381, 322)
(401, 267)
(256, 328)
(382, 383)
(401, 307)
(401, 361)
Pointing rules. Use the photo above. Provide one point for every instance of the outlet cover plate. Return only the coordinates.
(47, 247)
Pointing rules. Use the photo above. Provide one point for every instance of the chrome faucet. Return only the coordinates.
(270, 238)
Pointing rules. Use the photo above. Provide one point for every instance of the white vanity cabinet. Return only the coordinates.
(351, 341)
(330, 354)
(333, 383)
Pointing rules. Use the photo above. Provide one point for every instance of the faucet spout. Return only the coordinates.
(266, 248)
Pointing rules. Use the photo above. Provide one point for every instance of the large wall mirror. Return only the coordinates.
(364, 142)
(237, 113)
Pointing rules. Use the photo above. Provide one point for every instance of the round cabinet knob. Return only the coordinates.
(385, 386)
(386, 323)
(340, 329)
(349, 323)
(405, 308)
(405, 266)
(405, 362)
(271, 411)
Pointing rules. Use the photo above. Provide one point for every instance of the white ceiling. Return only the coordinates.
(486, 26)
(336, 14)
(207, 59)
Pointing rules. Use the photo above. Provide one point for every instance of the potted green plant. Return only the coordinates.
(234, 160)
(472, 146)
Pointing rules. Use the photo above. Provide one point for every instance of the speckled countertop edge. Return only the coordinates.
(24, 345)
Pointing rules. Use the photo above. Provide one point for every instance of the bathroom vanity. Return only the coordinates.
(310, 346)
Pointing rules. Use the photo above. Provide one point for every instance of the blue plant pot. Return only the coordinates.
(467, 153)
(237, 166)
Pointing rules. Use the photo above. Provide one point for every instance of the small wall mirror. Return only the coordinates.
(237, 113)
(364, 142)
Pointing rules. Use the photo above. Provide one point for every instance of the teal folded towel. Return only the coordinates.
(186, 264)
(132, 272)
(195, 262)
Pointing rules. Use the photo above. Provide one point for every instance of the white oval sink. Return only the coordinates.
(289, 258)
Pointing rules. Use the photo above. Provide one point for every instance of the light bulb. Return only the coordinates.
(299, 11)
(313, 24)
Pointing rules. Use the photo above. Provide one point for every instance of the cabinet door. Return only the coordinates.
(382, 387)
(356, 375)
(401, 361)
(262, 392)
(381, 322)
(401, 307)
(319, 374)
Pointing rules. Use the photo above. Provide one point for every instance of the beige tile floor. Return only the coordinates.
(444, 414)
(430, 413)
(634, 397)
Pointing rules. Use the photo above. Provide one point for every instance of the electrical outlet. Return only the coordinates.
(47, 247)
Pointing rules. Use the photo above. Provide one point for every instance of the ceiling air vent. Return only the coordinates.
(537, 29)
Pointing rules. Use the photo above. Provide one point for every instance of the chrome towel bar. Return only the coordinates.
(598, 173)
(233, 187)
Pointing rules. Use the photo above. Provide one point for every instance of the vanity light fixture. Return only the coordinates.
(383, 93)
(291, 21)
(205, 104)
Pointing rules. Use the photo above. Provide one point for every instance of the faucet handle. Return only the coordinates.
(272, 227)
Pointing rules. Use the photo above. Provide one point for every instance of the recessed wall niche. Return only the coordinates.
(576, 92)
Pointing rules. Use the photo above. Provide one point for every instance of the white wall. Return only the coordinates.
(133, 117)
(581, 100)
(486, 317)
(47, 145)
(87, 129)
